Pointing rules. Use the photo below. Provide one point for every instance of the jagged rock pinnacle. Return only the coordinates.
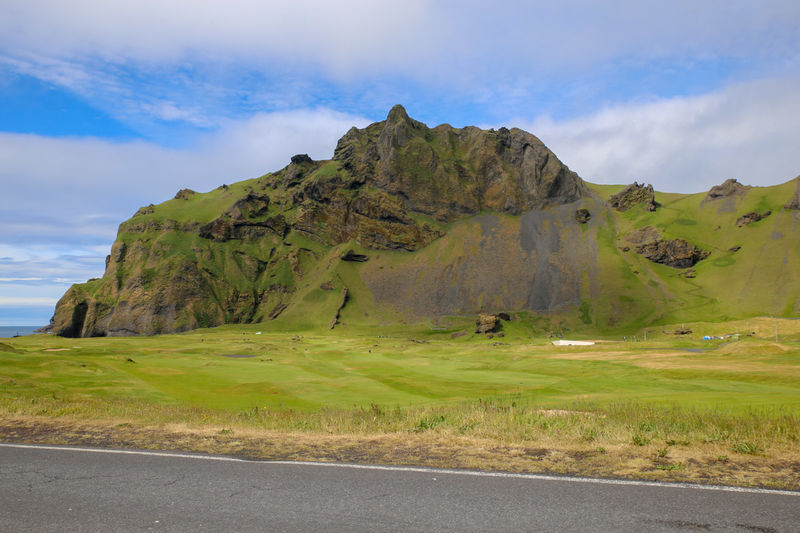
(397, 114)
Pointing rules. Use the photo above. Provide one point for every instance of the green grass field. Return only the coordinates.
(346, 368)
(671, 407)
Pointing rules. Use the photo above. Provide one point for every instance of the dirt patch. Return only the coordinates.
(684, 359)
(588, 355)
(56, 349)
(562, 412)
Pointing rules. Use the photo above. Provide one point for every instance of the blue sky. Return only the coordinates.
(107, 106)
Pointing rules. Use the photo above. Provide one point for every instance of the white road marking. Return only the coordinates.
(474, 473)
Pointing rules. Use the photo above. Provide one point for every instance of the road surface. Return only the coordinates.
(76, 489)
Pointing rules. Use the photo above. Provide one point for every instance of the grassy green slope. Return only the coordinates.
(619, 290)
(758, 278)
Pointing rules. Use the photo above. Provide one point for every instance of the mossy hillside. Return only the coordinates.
(739, 277)
(746, 263)
(227, 274)
(617, 299)
(234, 281)
(629, 291)
(272, 247)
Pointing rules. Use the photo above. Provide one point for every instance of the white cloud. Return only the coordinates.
(749, 131)
(170, 111)
(416, 37)
(23, 301)
(28, 293)
(340, 34)
(6, 280)
(48, 269)
(190, 63)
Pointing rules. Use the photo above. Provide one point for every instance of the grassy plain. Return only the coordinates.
(671, 407)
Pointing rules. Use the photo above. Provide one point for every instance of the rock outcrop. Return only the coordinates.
(353, 257)
(299, 159)
(726, 189)
(582, 216)
(331, 213)
(486, 323)
(749, 218)
(225, 229)
(250, 207)
(184, 194)
(145, 210)
(632, 195)
(676, 253)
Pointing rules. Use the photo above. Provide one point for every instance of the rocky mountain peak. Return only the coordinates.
(448, 172)
(397, 114)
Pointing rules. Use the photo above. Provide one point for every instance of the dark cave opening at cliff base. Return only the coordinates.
(78, 319)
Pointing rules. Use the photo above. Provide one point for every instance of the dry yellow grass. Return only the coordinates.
(754, 358)
(603, 457)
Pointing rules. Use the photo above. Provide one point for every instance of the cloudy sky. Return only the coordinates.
(107, 106)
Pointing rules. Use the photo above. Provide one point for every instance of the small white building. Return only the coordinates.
(565, 342)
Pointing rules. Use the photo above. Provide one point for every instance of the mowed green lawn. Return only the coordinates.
(345, 369)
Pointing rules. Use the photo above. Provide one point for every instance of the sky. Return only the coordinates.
(108, 106)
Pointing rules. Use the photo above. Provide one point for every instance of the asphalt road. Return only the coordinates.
(68, 489)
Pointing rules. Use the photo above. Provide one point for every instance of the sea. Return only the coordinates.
(10, 331)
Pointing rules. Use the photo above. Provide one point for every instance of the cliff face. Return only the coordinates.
(414, 224)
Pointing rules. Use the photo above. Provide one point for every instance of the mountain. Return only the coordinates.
(411, 224)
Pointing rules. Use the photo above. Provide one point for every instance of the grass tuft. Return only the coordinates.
(749, 448)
